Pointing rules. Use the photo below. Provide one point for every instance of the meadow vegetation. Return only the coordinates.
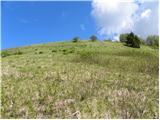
(83, 79)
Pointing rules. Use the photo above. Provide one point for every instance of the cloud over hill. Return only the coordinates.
(119, 16)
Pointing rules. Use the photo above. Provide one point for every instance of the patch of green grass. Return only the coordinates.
(82, 80)
(6, 53)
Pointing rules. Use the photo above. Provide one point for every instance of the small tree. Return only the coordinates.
(133, 40)
(93, 38)
(123, 37)
(75, 39)
(153, 40)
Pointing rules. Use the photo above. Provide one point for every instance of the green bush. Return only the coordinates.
(71, 51)
(54, 50)
(4, 54)
(133, 40)
(75, 39)
(18, 52)
(152, 40)
(8, 53)
(64, 50)
(93, 38)
(123, 38)
(40, 52)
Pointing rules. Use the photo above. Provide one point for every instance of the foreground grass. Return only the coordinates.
(80, 80)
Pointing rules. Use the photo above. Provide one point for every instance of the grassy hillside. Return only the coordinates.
(80, 80)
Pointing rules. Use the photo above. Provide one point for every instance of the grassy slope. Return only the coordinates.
(94, 79)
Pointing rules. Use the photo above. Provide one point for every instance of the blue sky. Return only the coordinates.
(25, 23)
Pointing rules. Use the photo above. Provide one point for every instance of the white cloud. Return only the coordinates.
(113, 16)
(117, 16)
(116, 38)
(146, 13)
(148, 21)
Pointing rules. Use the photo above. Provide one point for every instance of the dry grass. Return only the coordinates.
(80, 80)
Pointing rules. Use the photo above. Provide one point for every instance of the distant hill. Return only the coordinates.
(80, 80)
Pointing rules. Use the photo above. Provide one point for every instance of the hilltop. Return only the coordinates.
(80, 80)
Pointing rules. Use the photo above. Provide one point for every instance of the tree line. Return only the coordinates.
(130, 39)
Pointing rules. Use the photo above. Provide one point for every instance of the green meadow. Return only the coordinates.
(80, 80)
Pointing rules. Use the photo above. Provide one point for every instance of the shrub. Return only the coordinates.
(54, 51)
(123, 37)
(152, 40)
(40, 52)
(4, 53)
(64, 50)
(93, 38)
(18, 52)
(71, 51)
(133, 40)
(75, 39)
